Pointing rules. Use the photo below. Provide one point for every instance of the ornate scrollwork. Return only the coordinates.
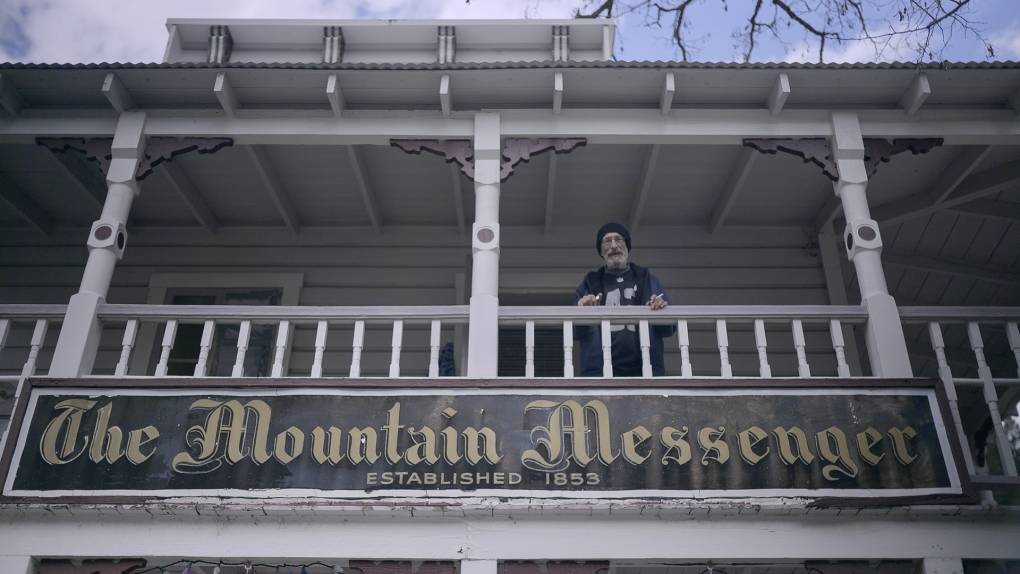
(515, 150)
(157, 150)
(819, 152)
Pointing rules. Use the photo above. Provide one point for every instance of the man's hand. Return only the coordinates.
(587, 301)
(657, 302)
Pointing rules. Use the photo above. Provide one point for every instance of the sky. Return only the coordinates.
(64, 31)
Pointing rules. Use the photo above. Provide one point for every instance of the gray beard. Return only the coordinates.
(616, 264)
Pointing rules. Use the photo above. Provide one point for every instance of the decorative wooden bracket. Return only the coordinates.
(157, 149)
(123, 566)
(818, 151)
(515, 150)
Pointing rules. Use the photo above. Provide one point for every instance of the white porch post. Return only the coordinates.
(478, 566)
(942, 566)
(16, 565)
(80, 333)
(484, 305)
(887, 347)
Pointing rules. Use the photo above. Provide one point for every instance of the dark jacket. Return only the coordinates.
(591, 336)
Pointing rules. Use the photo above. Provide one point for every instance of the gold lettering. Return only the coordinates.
(569, 418)
(786, 453)
(67, 423)
(631, 440)
(748, 439)
(228, 418)
(900, 448)
(673, 440)
(715, 448)
(423, 447)
(451, 441)
(839, 458)
(549, 438)
(472, 445)
(362, 445)
(866, 439)
(392, 430)
(136, 440)
(106, 440)
(326, 448)
(295, 438)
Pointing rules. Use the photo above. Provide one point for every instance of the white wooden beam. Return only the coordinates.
(915, 94)
(953, 177)
(952, 267)
(458, 198)
(990, 209)
(557, 92)
(115, 92)
(777, 97)
(550, 192)
(735, 185)
(445, 99)
(647, 172)
(26, 207)
(85, 178)
(265, 171)
(186, 190)
(335, 95)
(357, 165)
(10, 99)
(668, 90)
(225, 94)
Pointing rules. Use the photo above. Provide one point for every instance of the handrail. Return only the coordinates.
(449, 313)
(932, 313)
(26, 311)
(852, 313)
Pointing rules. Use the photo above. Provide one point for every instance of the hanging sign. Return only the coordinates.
(675, 441)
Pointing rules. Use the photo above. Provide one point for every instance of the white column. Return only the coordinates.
(942, 566)
(16, 565)
(887, 347)
(80, 333)
(484, 304)
(478, 566)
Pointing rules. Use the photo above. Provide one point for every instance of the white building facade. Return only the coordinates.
(252, 222)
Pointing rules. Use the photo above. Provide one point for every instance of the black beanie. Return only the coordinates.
(611, 228)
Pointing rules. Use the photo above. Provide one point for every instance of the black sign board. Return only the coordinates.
(883, 441)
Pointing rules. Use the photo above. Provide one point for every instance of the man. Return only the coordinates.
(620, 282)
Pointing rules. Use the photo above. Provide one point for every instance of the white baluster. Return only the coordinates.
(946, 376)
(529, 349)
(723, 340)
(282, 336)
(1011, 332)
(607, 349)
(398, 338)
(992, 398)
(800, 344)
(568, 349)
(836, 333)
(762, 343)
(646, 350)
(321, 330)
(243, 337)
(202, 365)
(356, 346)
(38, 339)
(684, 338)
(169, 334)
(434, 341)
(127, 344)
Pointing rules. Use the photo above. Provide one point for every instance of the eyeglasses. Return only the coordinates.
(607, 241)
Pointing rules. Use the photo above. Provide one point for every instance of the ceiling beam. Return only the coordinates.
(445, 98)
(335, 95)
(668, 90)
(186, 189)
(953, 177)
(115, 92)
(550, 192)
(557, 92)
(85, 177)
(777, 97)
(266, 173)
(458, 197)
(10, 99)
(646, 183)
(225, 93)
(952, 267)
(915, 94)
(367, 196)
(735, 185)
(990, 209)
(27, 208)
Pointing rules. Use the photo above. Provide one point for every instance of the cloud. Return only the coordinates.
(1007, 42)
(899, 50)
